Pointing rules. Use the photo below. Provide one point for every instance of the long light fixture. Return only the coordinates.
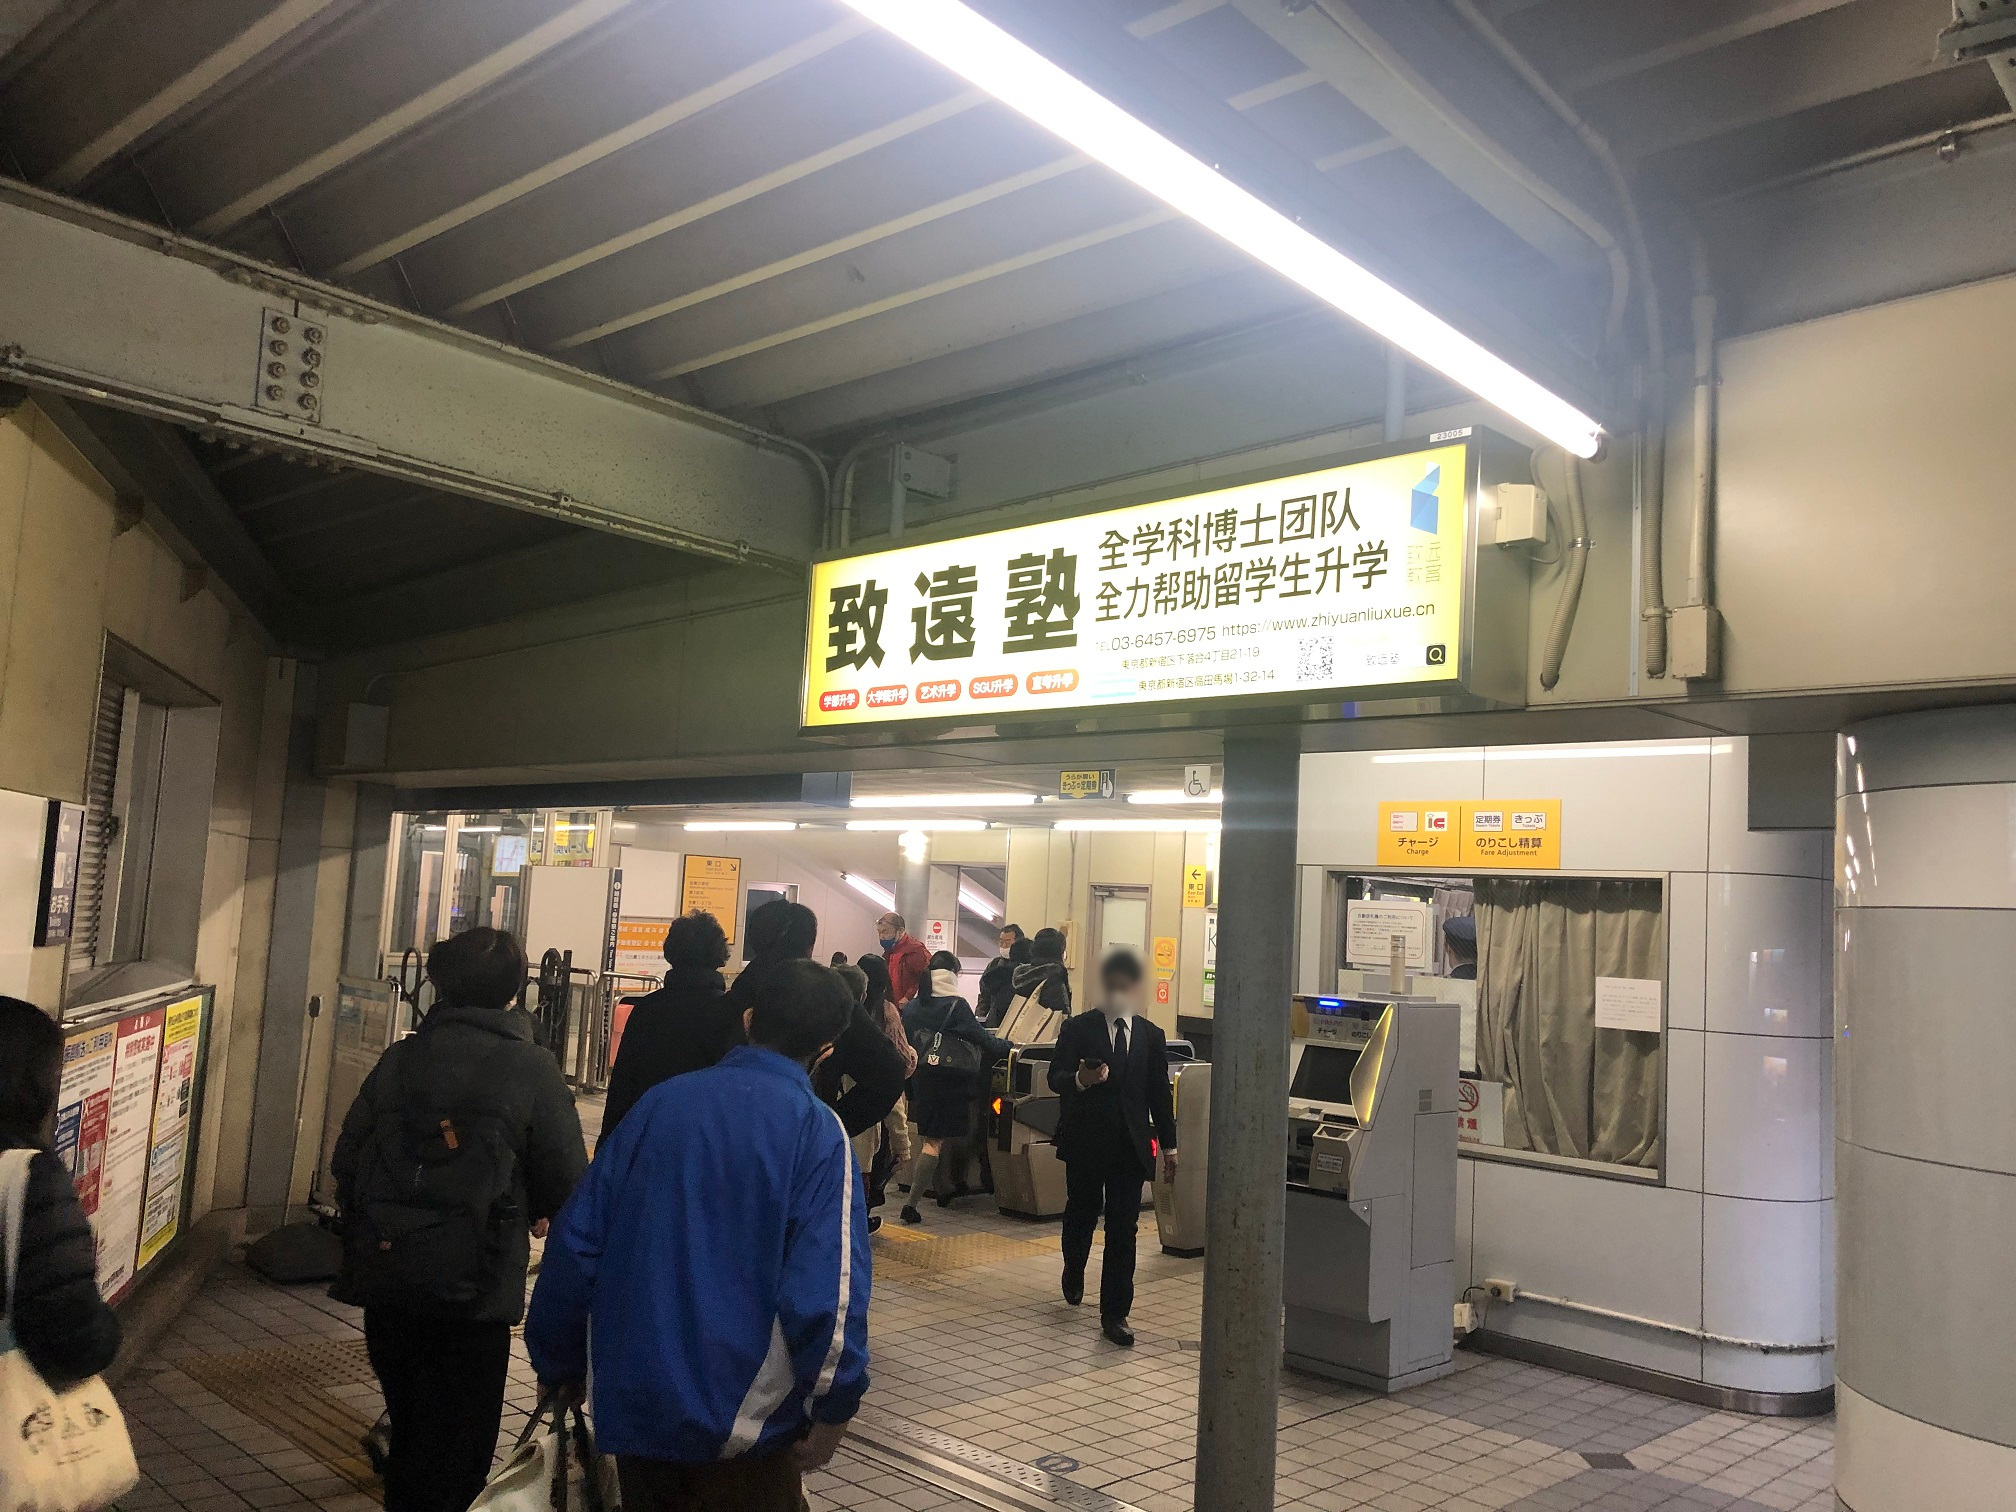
(739, 826)
(1174, 795)
(887, 826)
(1142, 826)
(942, 800)
(1558, 753)
(1026, 81)
(874, 892)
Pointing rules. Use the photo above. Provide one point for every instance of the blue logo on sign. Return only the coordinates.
(1427, 511)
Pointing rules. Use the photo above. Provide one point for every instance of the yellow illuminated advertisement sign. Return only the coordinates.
(1522, 834)
(1348, 577)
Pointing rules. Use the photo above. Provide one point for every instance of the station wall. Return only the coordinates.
(1736, 1241)
(72, 572)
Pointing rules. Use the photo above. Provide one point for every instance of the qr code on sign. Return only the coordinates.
(1314, 659)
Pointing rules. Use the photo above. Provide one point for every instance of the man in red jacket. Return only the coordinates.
(909, 961)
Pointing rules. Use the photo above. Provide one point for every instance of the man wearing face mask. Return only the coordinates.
(1110, 1071)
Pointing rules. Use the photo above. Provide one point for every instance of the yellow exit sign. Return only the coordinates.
(1096, 783)
(1514, 834)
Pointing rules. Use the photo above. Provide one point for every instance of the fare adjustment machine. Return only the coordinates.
(1371, 1227)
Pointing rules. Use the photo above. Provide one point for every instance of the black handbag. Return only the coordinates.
(946, 1054)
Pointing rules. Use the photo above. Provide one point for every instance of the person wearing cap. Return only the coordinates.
(1459, 946)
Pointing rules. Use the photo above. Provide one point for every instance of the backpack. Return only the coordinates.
(434, 1208)
(941, 1053)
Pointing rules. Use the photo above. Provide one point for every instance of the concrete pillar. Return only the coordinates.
(913, 879)
(1239, 1367)
(1925, 1154)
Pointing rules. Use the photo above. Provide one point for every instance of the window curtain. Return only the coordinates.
(1570, 1088)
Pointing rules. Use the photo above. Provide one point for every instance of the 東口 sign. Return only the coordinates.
(1521, 834)
(1344, 578)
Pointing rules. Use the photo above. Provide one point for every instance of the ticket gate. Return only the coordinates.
(1369, 1268)
(1028, 1176)
(1179, 1204)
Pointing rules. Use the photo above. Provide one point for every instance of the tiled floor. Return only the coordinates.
(987, 1353)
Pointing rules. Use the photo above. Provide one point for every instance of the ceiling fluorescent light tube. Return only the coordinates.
(739, 826)
(1026, 81)
(941, 800)
(1174, 795)
(1143, 826)
(887, 826)
(874, 892)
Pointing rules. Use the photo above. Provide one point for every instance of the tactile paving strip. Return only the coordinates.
(925, 1251)
(1020, 1485)
(283, 1388)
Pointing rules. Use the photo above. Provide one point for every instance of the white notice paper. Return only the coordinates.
(1369, 929)
(1629, 1003)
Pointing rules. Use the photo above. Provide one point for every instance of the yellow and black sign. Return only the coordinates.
(1195, 887)
(1096, 782)
(1514, 834)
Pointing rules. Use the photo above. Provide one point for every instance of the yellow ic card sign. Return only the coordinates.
(1420, 834)
(1339, 579)
(1522, 834)
(1513, 834)
(1195, 887)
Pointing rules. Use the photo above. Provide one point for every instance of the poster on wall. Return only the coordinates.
(62, 844)
(83, 1109)
(174, 1103)
(1369, 928)
(712, 884)
(640, 946)
(136, 1058)
(1210, 958)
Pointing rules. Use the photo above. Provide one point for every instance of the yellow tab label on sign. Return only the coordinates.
(1521, 834)
(1513, 834)
(1419, 834)
(1193, 887)
(1165, 952)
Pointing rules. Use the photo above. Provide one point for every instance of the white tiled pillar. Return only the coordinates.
(1766, 1098)
(1925, 875)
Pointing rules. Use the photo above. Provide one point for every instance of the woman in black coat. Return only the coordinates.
(941, 1102)
(685, 1025)
(61, 1323)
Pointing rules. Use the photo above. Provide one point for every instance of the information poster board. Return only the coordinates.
(83, 1109)
(1210, 958)
(1369, 928)
(127, 1113)
(174, 1105)
(713, 884)
(122, 1183)
(640, 947)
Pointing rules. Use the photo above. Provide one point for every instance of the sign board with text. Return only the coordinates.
(712, 884)
(1522, 834)
(1343, 579)
(1094, 782)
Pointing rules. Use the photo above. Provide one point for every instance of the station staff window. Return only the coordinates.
(148, 785)
(1528, 958)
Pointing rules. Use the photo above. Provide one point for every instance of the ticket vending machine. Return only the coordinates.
(1369, 1267)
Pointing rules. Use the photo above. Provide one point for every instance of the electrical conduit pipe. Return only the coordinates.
(1578, 569)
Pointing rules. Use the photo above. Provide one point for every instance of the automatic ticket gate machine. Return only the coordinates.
(1179, 1204)
(1371, 1225)
(1028, 1177)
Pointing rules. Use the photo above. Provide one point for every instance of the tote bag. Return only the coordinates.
(59, 1451)
(542, 1475)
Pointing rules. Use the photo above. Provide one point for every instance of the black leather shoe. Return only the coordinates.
(910, 1214)
(1117, 1332)
(1074, 1287)
(874, 1222)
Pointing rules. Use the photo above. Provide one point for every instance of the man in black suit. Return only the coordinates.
(1111, 1075)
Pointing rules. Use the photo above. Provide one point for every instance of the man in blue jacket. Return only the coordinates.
(714, 1260)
